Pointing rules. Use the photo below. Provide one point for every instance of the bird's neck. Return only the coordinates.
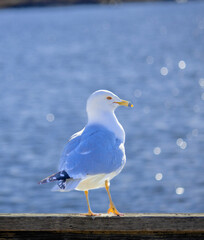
(108, 120)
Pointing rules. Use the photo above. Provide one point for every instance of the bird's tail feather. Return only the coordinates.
(64, 181)
(69, 185)
(62, 175)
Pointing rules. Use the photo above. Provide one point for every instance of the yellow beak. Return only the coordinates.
(125, 103)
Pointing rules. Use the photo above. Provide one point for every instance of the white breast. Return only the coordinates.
(108, 120)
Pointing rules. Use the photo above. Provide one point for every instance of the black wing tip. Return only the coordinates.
(61, 176)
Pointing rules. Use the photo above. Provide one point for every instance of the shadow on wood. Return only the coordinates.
(75, 226)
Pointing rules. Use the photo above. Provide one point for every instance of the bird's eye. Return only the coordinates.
(109, 98)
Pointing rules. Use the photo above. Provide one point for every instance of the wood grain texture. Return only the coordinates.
(75, 226)
(43, 3)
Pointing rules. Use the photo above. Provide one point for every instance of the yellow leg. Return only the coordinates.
(90, 213)
(112, 208)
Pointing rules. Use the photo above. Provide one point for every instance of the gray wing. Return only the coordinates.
(70, 146)
(95, 151)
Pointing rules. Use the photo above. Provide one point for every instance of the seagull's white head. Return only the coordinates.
(100, 109)
(103, 101)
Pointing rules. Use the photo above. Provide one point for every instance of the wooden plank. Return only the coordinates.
(38, 3)
(75, 226)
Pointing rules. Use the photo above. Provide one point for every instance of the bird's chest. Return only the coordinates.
(110, 122)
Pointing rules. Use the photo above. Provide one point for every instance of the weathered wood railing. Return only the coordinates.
(75, 226)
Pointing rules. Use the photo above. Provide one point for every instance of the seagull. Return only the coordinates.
(96, 154)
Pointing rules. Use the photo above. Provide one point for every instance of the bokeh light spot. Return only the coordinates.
(201, 82)
(182, 64)
(164, 71)
(50, 117)
(157, 150)
(159, 176)
(179, 190)
(181, 143)
(138, 93)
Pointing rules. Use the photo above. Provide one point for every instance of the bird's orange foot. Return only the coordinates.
(114, 211)
(90, 213)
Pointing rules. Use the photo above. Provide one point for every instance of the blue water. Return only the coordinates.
(52, 59)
